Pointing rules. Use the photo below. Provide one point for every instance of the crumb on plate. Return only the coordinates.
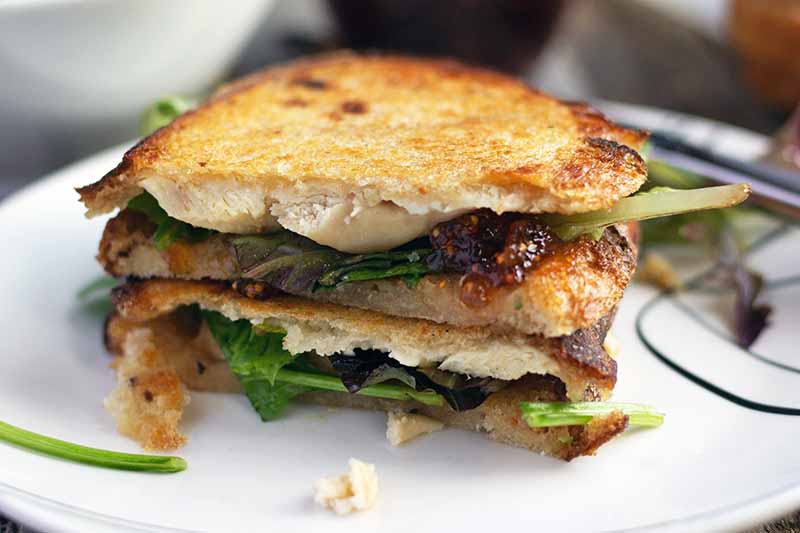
(346, 493)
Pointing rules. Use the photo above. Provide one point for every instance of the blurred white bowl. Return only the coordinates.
(87, 68)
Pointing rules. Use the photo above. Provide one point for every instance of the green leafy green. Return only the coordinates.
(409, 265)
(99, 284)
(250, 352)
(271, 376)
(316, 381)
(255, 356)
(269, 401)
(660, 174)
(368, 367)
(168, 229)
(94, 297)
(293, 263)
(699, 227)
(703, 227)
(91, 456)
(164, 111)
(547, 414)
(657, 202)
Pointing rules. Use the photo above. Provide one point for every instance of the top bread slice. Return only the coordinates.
(430, 137)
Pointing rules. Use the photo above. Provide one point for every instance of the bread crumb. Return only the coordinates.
(612, 345)
(403, 427)
(657, 270)
(344, 494)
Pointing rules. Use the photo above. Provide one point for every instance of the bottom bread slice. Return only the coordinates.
(159, 360)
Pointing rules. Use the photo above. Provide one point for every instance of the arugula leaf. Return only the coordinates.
(293, 263)
(285, 260)
(406, 264)
(164, 111)
(271, 376)
(334, 384)
(255, 357)
(750, 314)
(368, 367)
(269, 401)
(168, 229)
(250, 352)
(657, 202)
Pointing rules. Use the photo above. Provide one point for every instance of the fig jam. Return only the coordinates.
(491, 250)
(467, 240)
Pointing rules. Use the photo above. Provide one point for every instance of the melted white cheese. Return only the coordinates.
(363, 229)
(335, 220)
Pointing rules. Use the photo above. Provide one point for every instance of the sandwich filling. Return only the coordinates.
(270, 374)
(298, 326)
(165, 356)
(488, 250)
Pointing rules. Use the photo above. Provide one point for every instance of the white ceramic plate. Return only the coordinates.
(726, 456)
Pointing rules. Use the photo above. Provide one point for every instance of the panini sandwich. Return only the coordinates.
(380, 232)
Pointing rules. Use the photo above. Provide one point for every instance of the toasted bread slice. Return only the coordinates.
(578, 360)
(345, 141)
(569, 290)
(175, 344)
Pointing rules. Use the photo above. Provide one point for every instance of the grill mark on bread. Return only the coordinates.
(311, 83)
(355, 107)
(295, 102)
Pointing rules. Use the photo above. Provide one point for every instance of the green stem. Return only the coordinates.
(331, 383)
(646, 206)
(91, 456)
(546, 414)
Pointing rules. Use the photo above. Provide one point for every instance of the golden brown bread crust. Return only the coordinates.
(417, 131)
(578, 359)
(201, 367)
(569, 290)
(149, 398)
